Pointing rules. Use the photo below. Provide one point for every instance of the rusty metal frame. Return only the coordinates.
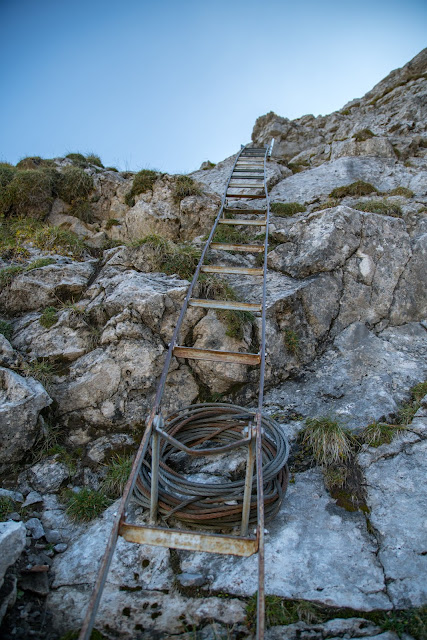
(176, 538)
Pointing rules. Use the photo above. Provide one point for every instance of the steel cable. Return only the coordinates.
(213, 505)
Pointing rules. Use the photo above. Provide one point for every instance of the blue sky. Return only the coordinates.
(167, 85)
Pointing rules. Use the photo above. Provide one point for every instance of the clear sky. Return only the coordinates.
(169, 84)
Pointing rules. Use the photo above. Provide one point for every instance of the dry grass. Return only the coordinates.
(329, 443)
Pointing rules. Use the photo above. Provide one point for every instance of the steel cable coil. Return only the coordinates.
(208, 429)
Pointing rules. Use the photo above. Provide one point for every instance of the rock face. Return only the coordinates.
(346, 338)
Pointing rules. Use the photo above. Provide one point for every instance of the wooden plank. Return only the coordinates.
(231, 305)
(255, 248)
(247, 271)
(216, 356)
(243, 221)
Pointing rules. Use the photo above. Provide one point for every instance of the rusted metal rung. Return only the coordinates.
(254, 248)
(246, 271)
(232, 305)
(189, 540)
(217, 356)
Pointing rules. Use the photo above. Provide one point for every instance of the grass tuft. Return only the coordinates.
(363, 135)
(6, 329)
(118, 472)
(235, 320)
(214, 287)
(378, 433)
(7, 274)
(185, 186)
(6, 507)
(112, 222)
(39, 263)
(292, 341)
(329, 443)
(358, 188)
(48, 318)
(286, 209)
(74, 184)
(170, 258)
(382, 207)
(401, 191)
(280, 612)
(86, 504)
(92, 158)
(29, 193)
(41, 370)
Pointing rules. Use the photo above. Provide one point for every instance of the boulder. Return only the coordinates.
(21, 400)
(12, 544)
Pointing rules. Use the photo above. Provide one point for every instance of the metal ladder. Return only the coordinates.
(247, 180)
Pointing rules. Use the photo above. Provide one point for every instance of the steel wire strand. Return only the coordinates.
(213, 505)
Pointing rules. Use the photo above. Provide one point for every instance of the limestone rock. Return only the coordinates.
(361, 378)
(12, 543)
(8, 356)
(44, 286)
(330, 557)
(21, 400)
(410, 298)
(48, 475)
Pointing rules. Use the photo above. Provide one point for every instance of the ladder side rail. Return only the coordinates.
(260, 482)
(94, 602)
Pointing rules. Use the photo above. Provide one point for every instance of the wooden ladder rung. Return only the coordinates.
(255, 248)
(231, 305)
(243, 221)
(247, 271)
(217, 356)
(247, 196)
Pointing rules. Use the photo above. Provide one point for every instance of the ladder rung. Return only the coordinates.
(247, 196)
(189, 540)
(247, 271)
(256, 211)
(248, 223)
(245, 185)
(216, 356)
(256, 248)
(239, 177)
(231, 305)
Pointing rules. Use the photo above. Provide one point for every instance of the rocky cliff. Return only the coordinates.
(94, 268)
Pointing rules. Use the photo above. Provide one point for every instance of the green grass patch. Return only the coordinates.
(112, 222)
(82, 210)
(7, 274)
(208, 165)
(279, 611)
(112, 169)
(329, 443)
(235, 321)
(408, 410)
(143, 182)
(119, 468)
(86, 504)
(39, 263)
(228, 234)
(41, 370)
(363, 135)
(7, 506)
(6, 174)
(77, 159)
(34, 162)
(170, 258)
(92, 158)
(185, 186)
(297, 167)
(74, 184)
(286, 209)
(49, 317)
(382, 207)
(291, 341)
(378, 433)
(328, 204)
(358, 188)
(214, 288)
(6, 329)
(401, 191)
(29, 193)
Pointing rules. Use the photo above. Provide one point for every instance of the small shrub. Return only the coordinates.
(6, 329)
(329, 443)
(86, 504)
(7, 274)
(74, 184)
(6, 507)
(382, 207)
(94, 159)
(185, 186)
(6, 174)
(363, 135)
(118, 472)
(401, 191)
(291, 341)
(49, 317)
(235, 321)
(378, 433)
(208, 165)
(358, 188)
(29, 193)
(39, 263)
(286, 209)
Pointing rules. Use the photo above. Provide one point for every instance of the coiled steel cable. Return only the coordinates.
(214, 505)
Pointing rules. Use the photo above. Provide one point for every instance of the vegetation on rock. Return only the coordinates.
(185, 186)
(86, 504)
(358, 188)
(382, 207)
(285, 209)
